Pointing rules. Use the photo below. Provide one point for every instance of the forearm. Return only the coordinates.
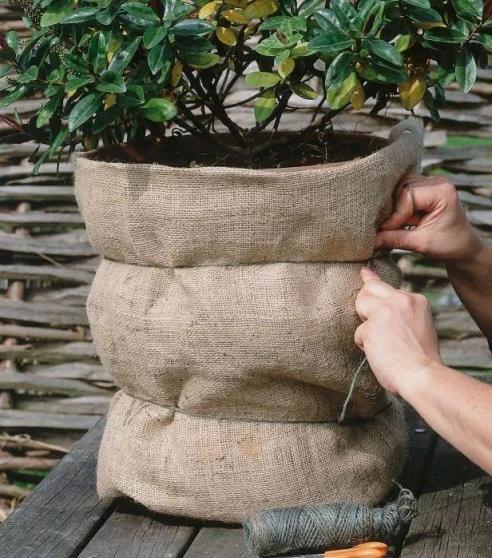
(472, 280)
(457, 407)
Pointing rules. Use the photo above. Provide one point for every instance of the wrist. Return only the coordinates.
(466, 265)
(419, 380)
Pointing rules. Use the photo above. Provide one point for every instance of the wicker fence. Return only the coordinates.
(52, 387)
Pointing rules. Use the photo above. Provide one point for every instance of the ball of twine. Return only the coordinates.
(317, 528)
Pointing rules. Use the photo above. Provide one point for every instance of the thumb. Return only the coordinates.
(397, 239)
(367, 274)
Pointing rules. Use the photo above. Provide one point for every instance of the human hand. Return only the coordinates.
(431, 209)
(397, 334)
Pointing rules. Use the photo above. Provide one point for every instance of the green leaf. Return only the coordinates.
(347, 16)
(444, 35)
(381, 73)
(97, 51)
(423, 17)
(74, 82)
(153, 36)
(84, 110)
(48, 109)
(12, 97)
(340, 68)
(80, 15)
(12, 41)
(265, 105)
(31, 74)
(124, 55)
(190, 27)
(339, 95)
(106, 17)
(466, 70)
(159, 110)
(140, 14)
(56, 11)
(304, 91)
(133, 97)
(383, 50)
(262, 79)
(201, 60)
(331, 43)
(469, 10)
(308, 7)
(111, 82)
(105, 119)
(159, 54)
(486, 40)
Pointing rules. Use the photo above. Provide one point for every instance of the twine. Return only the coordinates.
(317, 528)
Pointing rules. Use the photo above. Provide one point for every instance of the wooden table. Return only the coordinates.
(64, 518)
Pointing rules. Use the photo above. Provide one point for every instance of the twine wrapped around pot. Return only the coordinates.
(224, 309)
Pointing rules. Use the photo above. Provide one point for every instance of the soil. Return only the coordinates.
(295, 151)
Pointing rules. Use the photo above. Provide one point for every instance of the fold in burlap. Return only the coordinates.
(224, 310)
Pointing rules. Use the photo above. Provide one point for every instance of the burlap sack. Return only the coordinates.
(224, 308)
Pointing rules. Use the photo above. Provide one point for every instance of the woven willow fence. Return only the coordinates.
(52, 387)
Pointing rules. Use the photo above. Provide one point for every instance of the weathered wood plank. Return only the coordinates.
(77, 350)
(35, 218)
(455, 510)
(468, 353)
(84, 405)
(63, 511)
(74, 243)
(13, 418)
(46, 272)
(55, 386)
(45, 333)
(89, 371)
(37, 193)
(43, 312)
(219, 542)
(133, 532)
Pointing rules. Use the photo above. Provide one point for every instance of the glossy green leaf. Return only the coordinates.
(97, 51)
(48, 109)
(443, 35)
(331, 43)
(74, 82)
(140, 14)
(264, 105)
(56, 12)
(105, 119)
(191, 27)
(303, 90)
(159, 110)
(262, 79)
(84, 110)
(154, 36)
(111, 82)
(347, 15)
(466, 70)
(159, 54)
(124, 55)
(201, 60)
(132, 97)
(339, 94)
(13, 96)
(31, 74)
(383, 50)
(79, 15)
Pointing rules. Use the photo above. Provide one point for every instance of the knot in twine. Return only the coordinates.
(283, 531)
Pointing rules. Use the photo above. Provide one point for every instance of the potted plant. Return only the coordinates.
(224, 302)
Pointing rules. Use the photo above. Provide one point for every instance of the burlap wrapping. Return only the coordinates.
(224, 310)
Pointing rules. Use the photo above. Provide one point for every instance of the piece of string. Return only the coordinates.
(343, 413)
(282, 531)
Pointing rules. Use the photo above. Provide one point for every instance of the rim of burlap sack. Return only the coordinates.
(399, 135)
